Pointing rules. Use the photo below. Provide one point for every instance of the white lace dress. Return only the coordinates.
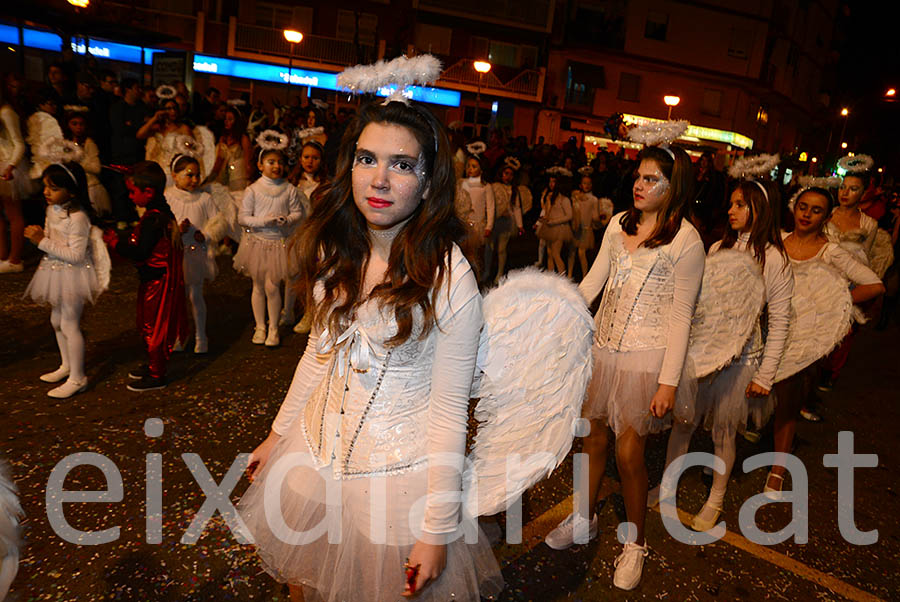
(199, 208)
(643, 328)
(370, 458)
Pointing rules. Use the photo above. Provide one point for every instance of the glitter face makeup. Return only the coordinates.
(388, 174)
(650, 187)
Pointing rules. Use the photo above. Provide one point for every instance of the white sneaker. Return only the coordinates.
(563, 536)
(56, 376)
(201, 345)
(259, 335)
(304, 325)
(10, 268)
(653, 497)
(178, 346)
(629, 566)
(273, 340)
(68, 389)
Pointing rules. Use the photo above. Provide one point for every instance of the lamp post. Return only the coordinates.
(844, 113)
(293, 37)
(481, 67)
(671, 101)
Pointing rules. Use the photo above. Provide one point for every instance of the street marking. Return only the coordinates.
(534, 532)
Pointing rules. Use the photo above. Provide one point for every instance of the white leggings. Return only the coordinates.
(266, 295)
(66, 321)
(198, 308)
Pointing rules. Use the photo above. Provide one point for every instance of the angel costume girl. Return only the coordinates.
(269, 211)
(509, 206)
(234, 172)
(476, 206)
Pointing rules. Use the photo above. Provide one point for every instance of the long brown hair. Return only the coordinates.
(334, 247)
(766, 226)
(677, 169)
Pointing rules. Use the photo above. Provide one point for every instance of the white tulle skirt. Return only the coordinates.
(262, 258)
(198, 264)
(20, 186)
(722, 403)
(623, 384)
(358, 533)
(99, 198)
(56, 282)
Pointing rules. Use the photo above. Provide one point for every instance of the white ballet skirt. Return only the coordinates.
(363, 421)
(643, 328)
(263, 252)
(722, 403)
(68, 271)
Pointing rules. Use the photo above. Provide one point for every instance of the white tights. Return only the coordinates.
(266, 295)
(66, 322)
(198, 308)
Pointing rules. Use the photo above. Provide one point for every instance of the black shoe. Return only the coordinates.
(826, 384)
(140, 372)
(148, 383)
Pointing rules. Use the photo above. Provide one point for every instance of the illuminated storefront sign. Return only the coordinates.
(306, 77)
(698, 132)
(45, 40)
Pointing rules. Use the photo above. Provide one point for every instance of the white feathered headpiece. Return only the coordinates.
(558, 170)
(400, 73)
(236, 102)
(855, 164)
(272, 140)
(181, 145)
(75, 109)
(585, 170)
(807, 182)
(319, 104)
(513, 163)
(753, 167)
(309, 132)
(658, 132)
(59, 150)
(476, 148)
(165, 92)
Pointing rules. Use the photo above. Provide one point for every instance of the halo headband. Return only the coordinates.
(761, 187)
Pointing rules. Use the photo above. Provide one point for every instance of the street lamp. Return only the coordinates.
(843, 145)
(80, 3)
(891, 93)
(293, 36)
(671, 101)
(481, 67)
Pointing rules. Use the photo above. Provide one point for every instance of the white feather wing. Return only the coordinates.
(207, 141)
(10, 511)
(731, 297)
(821, 311)
(100, 255)
(534, 362)
(224, 201)
(882, 255)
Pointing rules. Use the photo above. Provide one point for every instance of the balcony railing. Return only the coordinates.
(527, 84)
(267, 40)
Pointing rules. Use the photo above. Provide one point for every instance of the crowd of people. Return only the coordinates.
(368, 217)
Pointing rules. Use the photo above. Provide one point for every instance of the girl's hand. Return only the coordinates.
(34, 233)
(426, 562)
(8, 174)
(185, 225)
(260, 455)
(198, 236)
(663, 401)
(755, 390)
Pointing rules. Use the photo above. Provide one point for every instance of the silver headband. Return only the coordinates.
(666, 148)
(763, 188)
(71, 175)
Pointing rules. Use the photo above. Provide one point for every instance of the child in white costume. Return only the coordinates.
(76, 127)
(650, 266)
(730, 397)
(203, 223)
(585, 215)
(476, 206)
(511, 202)
(376, 415)
(269, 211)
(74, 269)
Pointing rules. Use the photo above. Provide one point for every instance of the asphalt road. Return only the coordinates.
(222, 404)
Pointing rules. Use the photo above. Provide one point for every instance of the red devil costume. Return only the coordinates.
(155, 248)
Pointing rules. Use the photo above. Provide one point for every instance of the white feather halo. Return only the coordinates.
(319, 104)
(585, 170)
(807, 182)
(476, 148)
(513, 163)
(400, 72)
(60, 150)
(558, 171)
(309, 132)
(658, 132)
(272, 140)
(455, 125)
(750, 167)
(75, 109)
(165, 92)
(854, 164)
(236, 102)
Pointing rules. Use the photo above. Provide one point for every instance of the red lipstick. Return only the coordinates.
(378, 203)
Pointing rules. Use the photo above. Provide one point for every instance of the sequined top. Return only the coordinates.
(649, 296)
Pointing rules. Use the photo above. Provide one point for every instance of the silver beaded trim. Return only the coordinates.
(365, 412)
